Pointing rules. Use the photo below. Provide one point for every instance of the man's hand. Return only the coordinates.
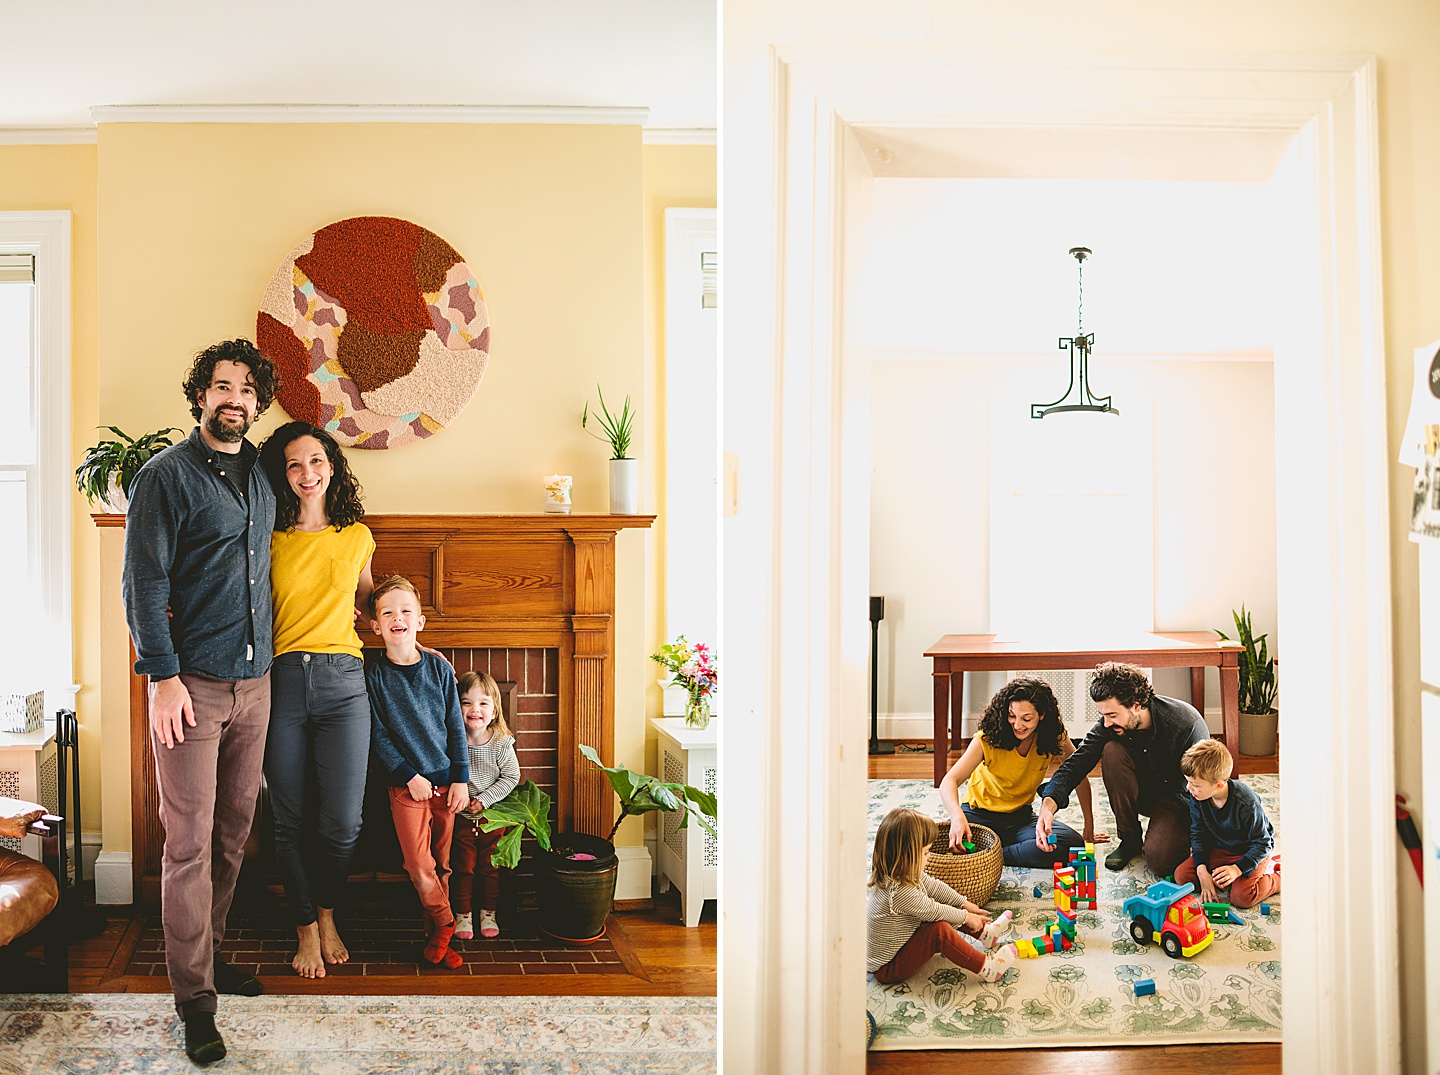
(1226, 876)
(458, 797)
(170, 710)
(1044, 823)
(1093, 836)
(421, 790)
(959, 831)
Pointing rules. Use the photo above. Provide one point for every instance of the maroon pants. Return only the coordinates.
(208, 785)
(1167, 838)
(423, 830)
(1260, 883)
(470, 852)
(933, 937)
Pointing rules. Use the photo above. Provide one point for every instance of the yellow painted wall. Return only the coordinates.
(63, 177)
(195, 217)
(674, 177)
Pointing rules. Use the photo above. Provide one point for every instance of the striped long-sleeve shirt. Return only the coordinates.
(494, 769)
(897, 911)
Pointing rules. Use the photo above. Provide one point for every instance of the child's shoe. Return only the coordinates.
(990, 935)
(998, 962)
(465, 926)
(439, 944)
(489, 928)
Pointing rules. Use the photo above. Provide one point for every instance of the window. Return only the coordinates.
(35, 466)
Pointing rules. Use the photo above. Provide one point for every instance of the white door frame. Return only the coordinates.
(798, 914)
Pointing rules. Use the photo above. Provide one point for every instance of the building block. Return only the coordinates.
(967, 845)
(1145, 987)
(1037, 892)
(1067, 943)
(1265, 909)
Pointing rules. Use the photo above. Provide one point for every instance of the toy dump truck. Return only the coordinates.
(1172, 915)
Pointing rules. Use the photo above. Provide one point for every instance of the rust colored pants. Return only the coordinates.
(424, 833)
(470, 853)
(1260, 883)
(1167, 837)
(933, 937)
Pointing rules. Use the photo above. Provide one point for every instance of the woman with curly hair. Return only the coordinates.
(319, 742)
(1022, 740)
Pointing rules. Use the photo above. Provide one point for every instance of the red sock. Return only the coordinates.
(439, 943)
(451, 959)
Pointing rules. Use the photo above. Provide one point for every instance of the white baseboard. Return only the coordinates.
(633, 881)
(113, 878)
(652, 843)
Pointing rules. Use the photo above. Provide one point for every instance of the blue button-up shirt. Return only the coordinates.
(194, 545)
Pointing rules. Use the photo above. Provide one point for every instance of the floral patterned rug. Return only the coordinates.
(1229, 992)
(133, 1032)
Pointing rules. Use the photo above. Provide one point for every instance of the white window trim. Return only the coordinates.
(46, 234)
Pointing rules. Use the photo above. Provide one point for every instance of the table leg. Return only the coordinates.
(942, 723)
(1230, 703)
(1197, 689)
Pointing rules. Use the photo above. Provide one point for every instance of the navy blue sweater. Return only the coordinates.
(415, 722)
(1240, 827)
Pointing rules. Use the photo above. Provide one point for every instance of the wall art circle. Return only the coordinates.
(378, 330)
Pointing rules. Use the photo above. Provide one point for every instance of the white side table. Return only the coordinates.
(689, 857)
(29, 770)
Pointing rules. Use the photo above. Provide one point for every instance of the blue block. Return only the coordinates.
(1234, 919)
(1037, 892)
(1145, 987)
(1265, 908)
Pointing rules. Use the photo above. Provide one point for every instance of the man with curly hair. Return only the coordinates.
(196, 584)
(1138, 741)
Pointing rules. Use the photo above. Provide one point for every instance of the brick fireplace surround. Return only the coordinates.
(529, 598)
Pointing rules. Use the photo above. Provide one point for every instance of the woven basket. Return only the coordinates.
(973, 874)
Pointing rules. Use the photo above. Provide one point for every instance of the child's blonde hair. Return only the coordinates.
(900, 845)
(486, 682)
(1207, 760)
(394, 582)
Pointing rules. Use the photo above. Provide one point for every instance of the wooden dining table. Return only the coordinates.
(954, 655)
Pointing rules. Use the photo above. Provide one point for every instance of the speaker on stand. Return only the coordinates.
(877, 613)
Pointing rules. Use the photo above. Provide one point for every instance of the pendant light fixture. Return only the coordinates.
(1079, 347)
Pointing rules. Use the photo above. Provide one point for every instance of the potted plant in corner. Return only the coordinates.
(624, 471)
(105, 474)
(1259, 719)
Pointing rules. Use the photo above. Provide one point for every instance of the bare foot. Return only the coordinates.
(331, 946)
(307, 961)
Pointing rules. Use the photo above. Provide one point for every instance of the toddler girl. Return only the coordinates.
(494, 772)
(912, 915)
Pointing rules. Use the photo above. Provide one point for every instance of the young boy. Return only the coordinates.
(1230, 837)
(419, 737)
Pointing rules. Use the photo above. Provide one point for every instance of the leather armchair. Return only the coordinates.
(30, 902)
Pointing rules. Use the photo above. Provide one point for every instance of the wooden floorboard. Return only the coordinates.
(1133, 1060)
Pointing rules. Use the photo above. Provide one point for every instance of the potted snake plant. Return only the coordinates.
(1259, 719)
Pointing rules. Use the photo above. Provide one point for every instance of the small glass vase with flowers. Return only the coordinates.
(692, 666)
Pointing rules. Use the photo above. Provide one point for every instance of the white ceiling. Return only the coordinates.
(62, 57)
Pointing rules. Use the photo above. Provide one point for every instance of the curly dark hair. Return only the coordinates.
(995, 724)
(342, 498)
(202, 372)
(1124, 682)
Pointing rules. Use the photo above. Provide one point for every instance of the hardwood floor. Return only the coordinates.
(662, 958)
(1139, 1060)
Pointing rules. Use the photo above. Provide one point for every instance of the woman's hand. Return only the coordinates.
(421, 790)
(959, 831)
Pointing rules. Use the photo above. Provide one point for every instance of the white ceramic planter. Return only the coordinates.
(115, 501)
(624, 487)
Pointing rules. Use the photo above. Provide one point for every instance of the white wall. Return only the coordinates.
(966, 270)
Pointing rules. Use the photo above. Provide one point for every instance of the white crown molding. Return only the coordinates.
(680, 136)
(356, 113)
(47, 136)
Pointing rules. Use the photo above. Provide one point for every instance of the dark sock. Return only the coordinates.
(203, 1043)
(234, 982)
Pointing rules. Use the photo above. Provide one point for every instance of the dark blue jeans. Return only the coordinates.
(315, 762)
(1016, 830)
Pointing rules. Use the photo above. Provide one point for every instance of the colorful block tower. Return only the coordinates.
(1067, 885)
(1082, 861)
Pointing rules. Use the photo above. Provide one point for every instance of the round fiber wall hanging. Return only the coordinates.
(378, 330)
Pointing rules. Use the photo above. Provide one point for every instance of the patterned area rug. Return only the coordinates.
(1229, 992)
(120, 1032)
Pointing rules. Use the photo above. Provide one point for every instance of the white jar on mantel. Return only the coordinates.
(624, 487)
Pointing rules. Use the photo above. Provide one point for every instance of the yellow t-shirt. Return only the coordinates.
(1006, 780)
(313, 578)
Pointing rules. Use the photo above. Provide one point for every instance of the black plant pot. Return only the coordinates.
(576, 895)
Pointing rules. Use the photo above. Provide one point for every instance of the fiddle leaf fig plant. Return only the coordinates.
(1258, 687)
(116, 462)
(641, 794)
(525, 809)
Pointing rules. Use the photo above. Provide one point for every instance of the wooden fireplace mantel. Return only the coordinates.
(542, 580)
